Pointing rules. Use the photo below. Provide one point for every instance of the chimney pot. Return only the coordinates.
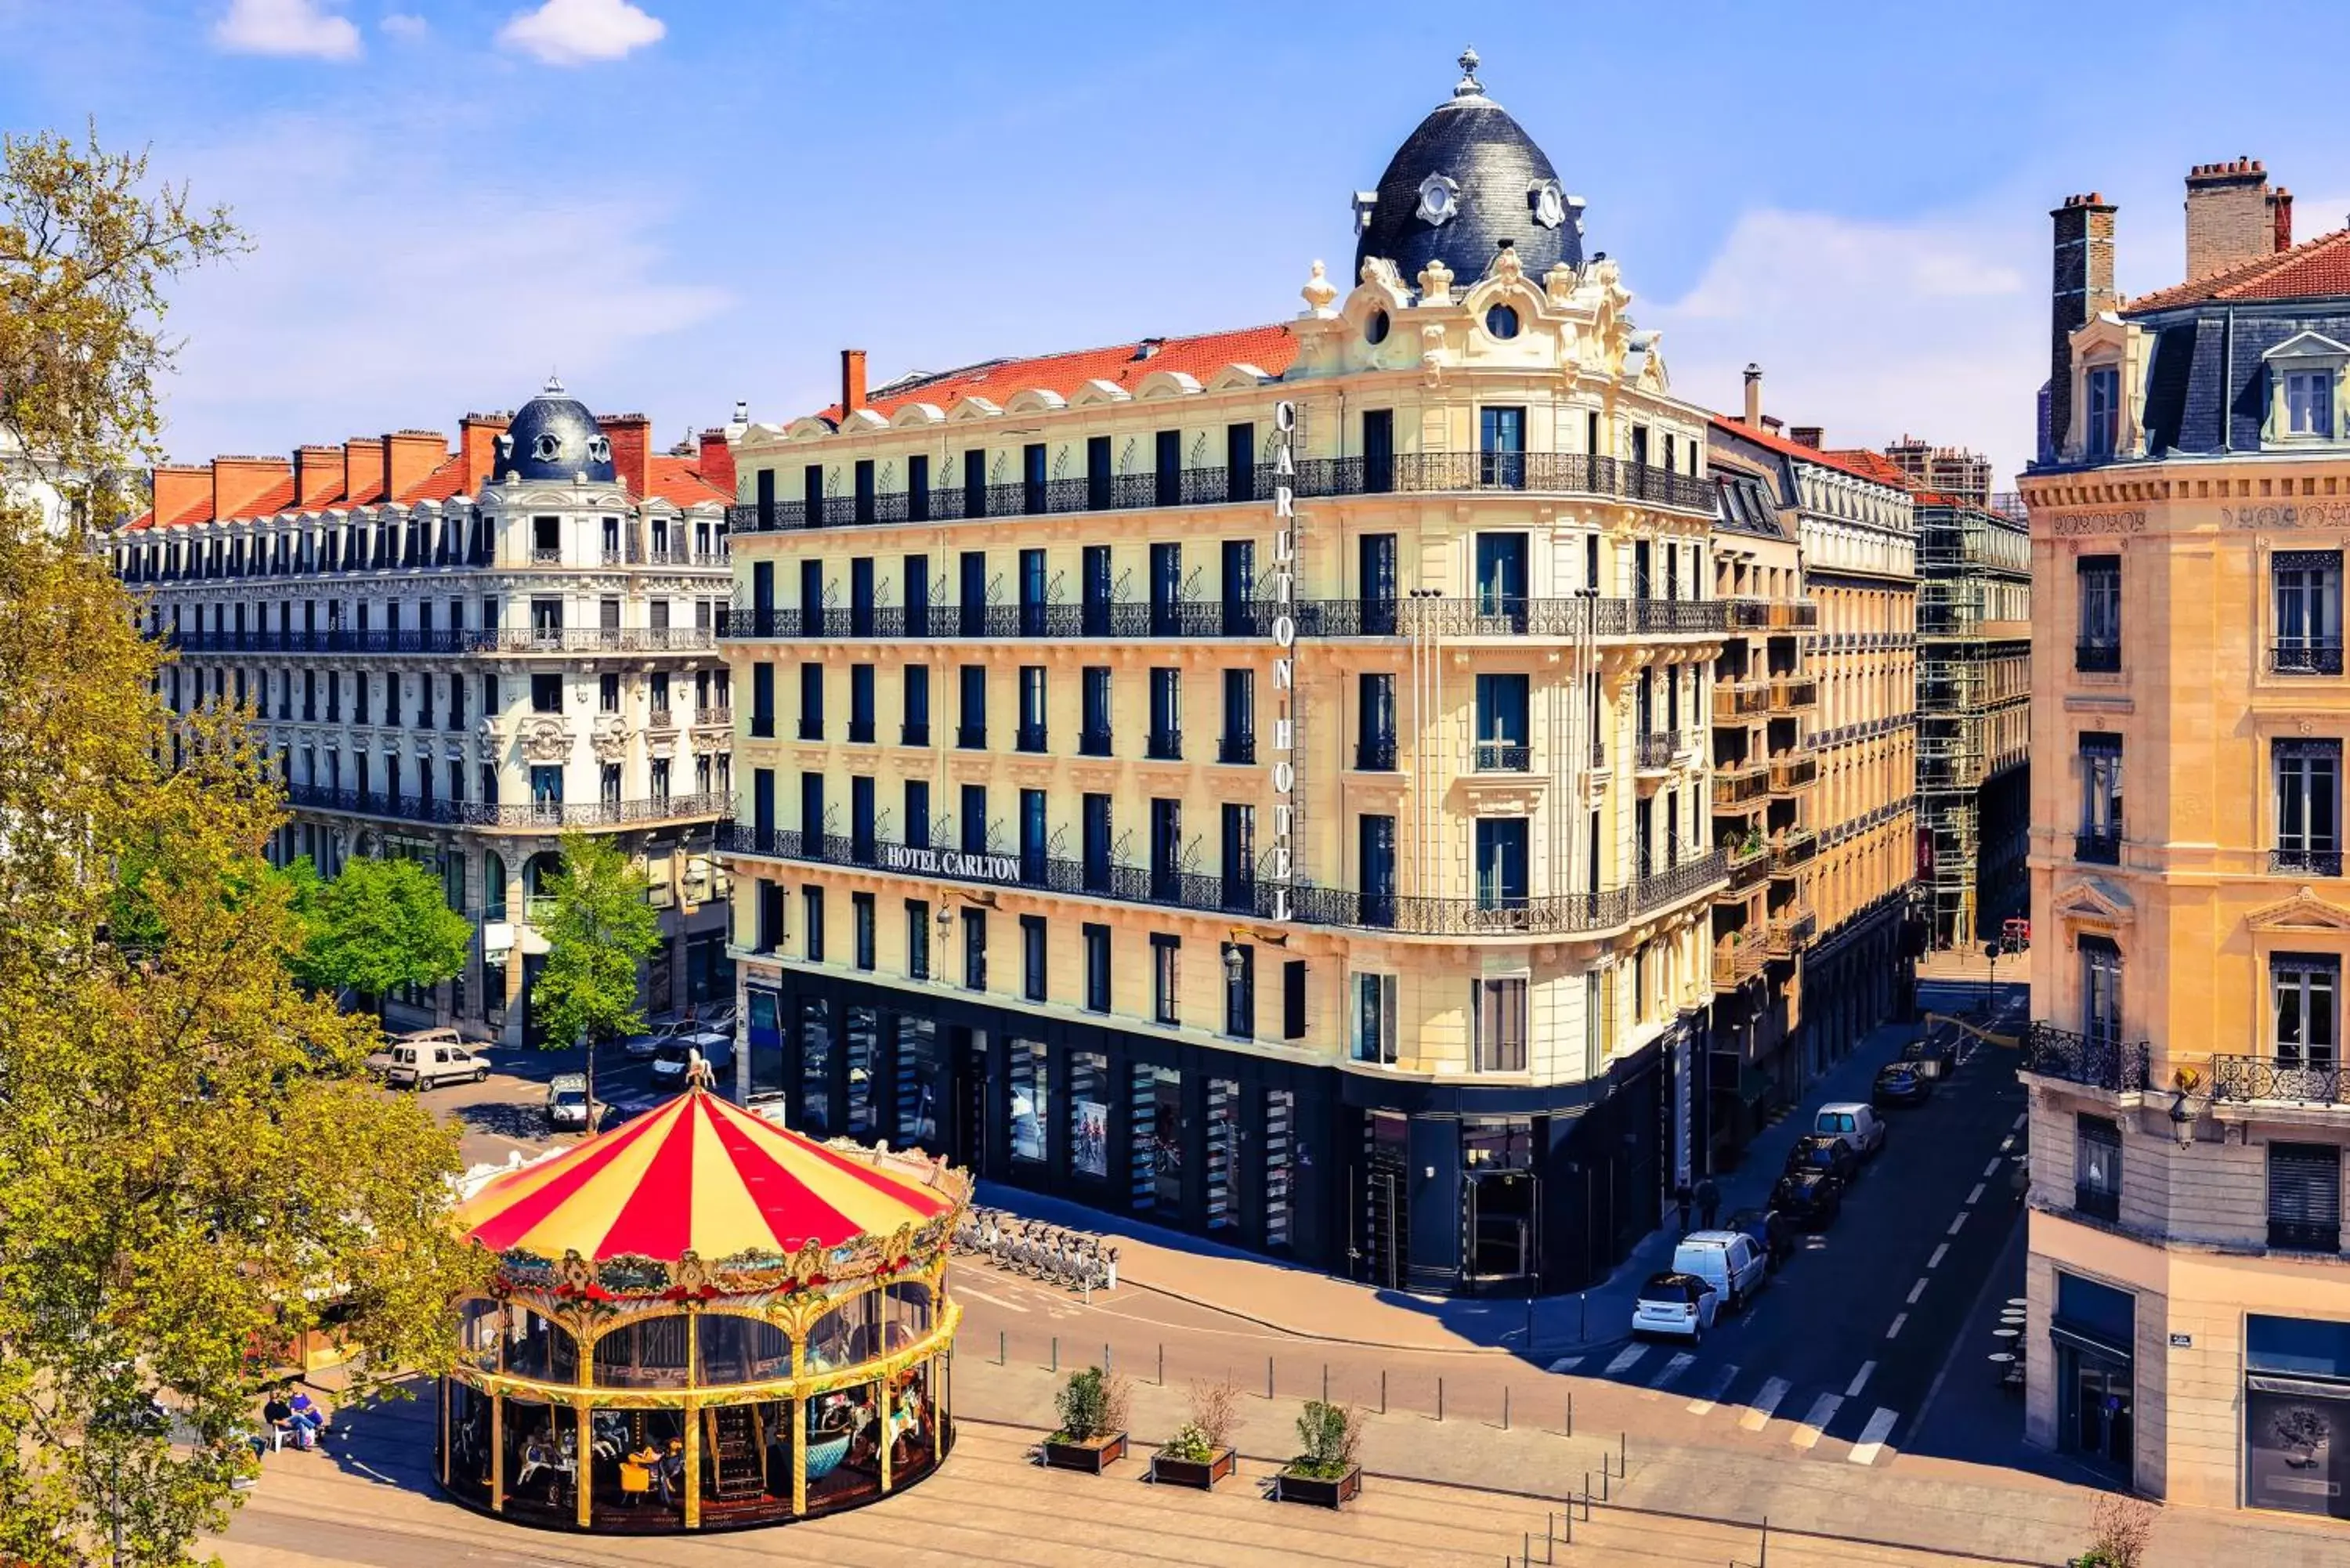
(1806, 435)
(1753, 411)
(852, 380)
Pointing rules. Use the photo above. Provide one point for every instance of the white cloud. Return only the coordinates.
(578, 32)
(402, 25)
(1872, 330)
(286, 27)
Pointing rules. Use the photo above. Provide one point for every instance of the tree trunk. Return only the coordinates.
(595, 1116)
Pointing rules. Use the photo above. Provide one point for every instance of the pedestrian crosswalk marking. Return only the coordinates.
(1625, 1358)
(1704, 1402)
(1682, 1362)
(1861, 1381)
(1567, 1363)
(1824, 1410)
(1765, 1406)
(1873, 1436)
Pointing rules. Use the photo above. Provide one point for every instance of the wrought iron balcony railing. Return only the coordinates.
(2093, 1061)
(1375, 754)
(2280, 1078)
(1656, 750)
(2098, 846)
(2307, 656)
(1094, 742)
(588, 639)
(2299, 862)
(1503, 757)
(1485, 615)
(2097, 658)
(550, 814)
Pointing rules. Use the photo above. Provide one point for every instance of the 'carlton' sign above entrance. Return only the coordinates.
(951, 863)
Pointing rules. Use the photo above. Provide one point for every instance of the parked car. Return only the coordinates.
(1811, 1199)
(1935, 1054)
(1817, 1151)
(567, 1103)
(1676, 1303)
(428, 1060)
(669, 1061)
(1768, 1229)
(1901, 1084)
(645, 1046)
(1730, 1262)
(1857, 1124)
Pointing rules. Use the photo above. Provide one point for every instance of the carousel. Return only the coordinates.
(703, 1321)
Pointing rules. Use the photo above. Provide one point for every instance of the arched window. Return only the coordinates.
(647, 1353)
(849, 1334)
(731, 1349)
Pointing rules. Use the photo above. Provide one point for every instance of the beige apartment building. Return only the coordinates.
(1257, 781)
(2190, 1298)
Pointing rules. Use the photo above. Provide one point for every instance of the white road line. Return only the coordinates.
(1567, 1363)
(1916, 1291)
(1898, 1319)
(1861, 1381)
(1766, 1404)
(1625, 1359)
(1704, 1402)
(1824, 1410)
(1936, 1261)
(1956, 1223)
(2021, 1117)
(1682, 1362)
(1873, 1436)
(965, 1290)
(1976, 1196)
(1991, 1169)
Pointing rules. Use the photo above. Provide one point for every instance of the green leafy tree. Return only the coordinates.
(381, 925)
(601, 929)
(193, 1167)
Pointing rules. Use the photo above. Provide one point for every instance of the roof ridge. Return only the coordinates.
(2225, 283)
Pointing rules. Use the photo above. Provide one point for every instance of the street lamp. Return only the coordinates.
(1990, 984)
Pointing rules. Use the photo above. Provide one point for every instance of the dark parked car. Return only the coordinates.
(1901, 1084)
(1820, 1151)
(1811, 1199)
(1937, 1053)
(1769, 1230)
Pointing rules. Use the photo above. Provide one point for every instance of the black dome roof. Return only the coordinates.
(553, 437)
(1475, 171)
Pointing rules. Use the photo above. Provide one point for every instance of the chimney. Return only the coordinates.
(363, 458)
(181, 488)
(852, 380)
(477, 443)
(1754, 419)
(631, 436)
(239, 482)
(1805, 435)
(2233, 216)
(410, 458)
(716, 460)
(317, 473)
(2080, 289)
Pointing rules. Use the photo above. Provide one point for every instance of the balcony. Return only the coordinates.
(2277, 1079)
(914, 733)
(1163, 746)
(1793, 925)
(1734, 700)
(547, 817)
(540, 555)
(1678, 882)
(1376, 755)
(1239, 749)
(2307, 656)
(2306, 862)
(553, 639)
(971, 737)
(2098, 846)
(1654, 752)
(1735, 963)
(1415, 473)
(2097, 658)
(1739, 783)
(2093, 1062)
(1792, 849)
(1793, 694)
(1028, 738)
(860, 731)
(1503, 757)
(1747, 863)
(1794, 615)
(1793, 771)
(661, 719)
(1094, 742)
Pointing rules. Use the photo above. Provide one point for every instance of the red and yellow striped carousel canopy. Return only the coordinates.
(699, 1175)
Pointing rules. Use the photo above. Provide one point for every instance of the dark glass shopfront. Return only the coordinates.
(1410, 1186)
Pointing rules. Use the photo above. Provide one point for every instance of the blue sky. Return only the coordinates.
(681, 203)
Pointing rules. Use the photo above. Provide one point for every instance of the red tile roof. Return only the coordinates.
(1865, 465)
(1269, 348)
(678, 481)
(2314, 269)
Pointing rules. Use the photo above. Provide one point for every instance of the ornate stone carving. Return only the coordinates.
(1319, 291)
(610, 738)
(708, 741)
(544, 739)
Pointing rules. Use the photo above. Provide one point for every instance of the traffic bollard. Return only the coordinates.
(1056, 1353)
(1268, 1376)
(1439, 1398)
(1105, 1366)
(1570, 1413)
(1162, 1363)
(1383, 1390)
(1505, 1407)
(1325, 1383)
(998, 1347)
(1623, 1453)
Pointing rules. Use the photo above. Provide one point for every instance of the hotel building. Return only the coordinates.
(2189, 1326)
(1257, 782)
(457, 656)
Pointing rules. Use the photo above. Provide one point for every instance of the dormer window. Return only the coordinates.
(2309, 404)
(2104, 411)
(599, 450)
(2305, 387)
(548, 448)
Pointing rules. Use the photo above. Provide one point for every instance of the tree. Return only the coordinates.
(600, 930)
(193, 1167)
(381, 925)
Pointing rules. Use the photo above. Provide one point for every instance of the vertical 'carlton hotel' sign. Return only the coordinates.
(1284, 663)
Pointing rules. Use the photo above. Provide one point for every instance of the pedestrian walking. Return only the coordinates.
(1709, 1202)
(1682, 1202)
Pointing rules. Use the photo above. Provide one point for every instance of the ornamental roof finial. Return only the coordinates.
(1469, 85)
(553, 388)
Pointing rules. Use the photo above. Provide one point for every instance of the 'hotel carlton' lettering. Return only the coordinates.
(1283, 584)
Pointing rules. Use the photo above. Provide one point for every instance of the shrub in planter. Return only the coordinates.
(1200, 1454)
(1092, 1434)
(1325, 1473)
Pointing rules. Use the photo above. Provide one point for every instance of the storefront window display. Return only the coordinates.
(815, 1067)
(862, 1036)
(2297, 1415)
(917, 1060)
(1089, 1114)
(1224, 1153)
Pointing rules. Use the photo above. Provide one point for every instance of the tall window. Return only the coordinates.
(763, 698)
(2307, 991)
(1239, 991)
(1093, 726)
(812, 922)
(1374, 743)
(2100, 645)
(2097, 1166)
(862, 904)
(2308, 807)
(1032, 957)
(2309, 403)
(1031, 735)
(2101, 991)
(1239, 740)
(811, 702)
(1499, 1008)
(1501, 443)
(2105, 411)
(1501, 863)
(970, 732)
(2100, 836)
(1166, 848)
(2305, 1197)
(1164, 980)
(1373, 1027)
(1096, 968)
(2306, 585)
(860, 704)
(974, 950)
(1166, 738)
(918, 939)
(915, 729)
(1501, 704)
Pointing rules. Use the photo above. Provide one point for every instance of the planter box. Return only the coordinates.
(1092, 1457)
(1288, 1487)
(1202, 1474)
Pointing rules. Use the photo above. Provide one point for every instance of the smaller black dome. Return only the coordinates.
(553, 437)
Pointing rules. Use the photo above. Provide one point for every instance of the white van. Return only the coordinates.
(430, 1061)
(1856, 1123)
(1729, 1260)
